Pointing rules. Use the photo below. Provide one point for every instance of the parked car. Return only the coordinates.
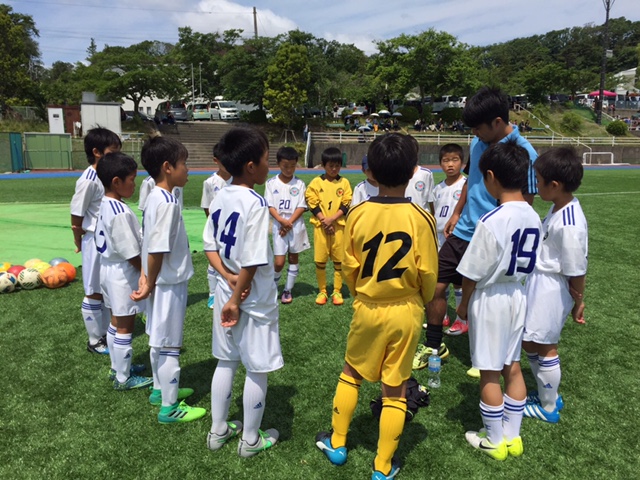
(171, 108)
(223, 110)
(140, 115)
(199, 111)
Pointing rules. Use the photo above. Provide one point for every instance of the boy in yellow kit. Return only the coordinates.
(328, 197)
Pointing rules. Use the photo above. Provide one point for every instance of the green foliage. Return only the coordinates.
(287, 77)
(618, 128)
(409, 114)
(254, 116)
(449, 115)
(572, 122)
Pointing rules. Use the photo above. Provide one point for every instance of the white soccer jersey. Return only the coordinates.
(363, 192)
(164, 232)
(211, 187)
(148, 185)
(285, 197)
(238, 229)
(445, 200)
(420, 188)
(87, 197)
(565, 241)
(117, 232)
(504, 245)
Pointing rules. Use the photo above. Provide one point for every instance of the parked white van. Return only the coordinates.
(223, 110)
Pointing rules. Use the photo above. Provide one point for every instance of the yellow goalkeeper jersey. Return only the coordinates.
(328, 196)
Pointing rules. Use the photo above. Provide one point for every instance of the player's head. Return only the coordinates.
(118, 171)
(157, 150)
(508, 163)
(245, 149)
(331, 161)
(392, 159)
(451, 159)
(287, 158)
(487, 113)
(562, 165)
(100, 141)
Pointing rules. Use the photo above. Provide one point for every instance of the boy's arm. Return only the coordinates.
(136, 262)
(576, 287)
(297, 213)
(455, 216)
(468, 286)
(78, 231)
(231, 311)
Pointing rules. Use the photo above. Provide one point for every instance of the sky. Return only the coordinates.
(67, 26)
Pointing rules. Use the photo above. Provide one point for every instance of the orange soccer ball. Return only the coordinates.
(69, 269)
(54, 277)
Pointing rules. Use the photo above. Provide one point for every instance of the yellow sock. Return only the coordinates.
(337, 277)
(321, 276)
(391, 425)
(344, 404)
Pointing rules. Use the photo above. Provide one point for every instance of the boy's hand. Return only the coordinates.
(232, 280)
(282, 232)
(327, 222)
(577, 312)
(451, 224)
(330, 230)
(230, 315)
(78, 232)
(143, 289)
(285, 224)
(462, 311)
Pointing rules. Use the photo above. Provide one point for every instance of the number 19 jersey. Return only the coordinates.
(391, 251)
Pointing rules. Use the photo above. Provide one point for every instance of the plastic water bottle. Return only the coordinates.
(434, 370)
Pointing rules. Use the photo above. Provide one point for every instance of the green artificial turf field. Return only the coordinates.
(60, 418)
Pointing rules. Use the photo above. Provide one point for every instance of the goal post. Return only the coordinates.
(601, 158)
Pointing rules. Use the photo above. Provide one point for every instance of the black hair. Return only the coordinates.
(286, 153)
(216, 153)
(485, 106)
(509, 163)
(560, 164)
(158, 150)
(115, 164)
(241, 145)
(452, 148)
(392, 159)
(331, 155)
(99, 138)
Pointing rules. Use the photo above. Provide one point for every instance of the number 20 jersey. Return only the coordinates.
(391, 251)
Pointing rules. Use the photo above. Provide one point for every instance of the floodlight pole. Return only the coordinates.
(193, 87)
(603, 67)
(200, 68)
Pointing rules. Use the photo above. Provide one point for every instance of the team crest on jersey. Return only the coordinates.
(456, 194)
(339, 192)
(176, 193)
(294, 191)
(420, 186)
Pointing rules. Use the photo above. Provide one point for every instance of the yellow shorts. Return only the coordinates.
(383, 339)
(325, 246)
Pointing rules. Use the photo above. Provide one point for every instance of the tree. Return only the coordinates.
(19, 55)
(63, 83)
(287, 77)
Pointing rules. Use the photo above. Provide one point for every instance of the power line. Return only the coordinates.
(116, 7)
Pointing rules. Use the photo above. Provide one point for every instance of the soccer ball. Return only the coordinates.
(41, 267)
(8, 282)
(58, 260)
(29, 278)
(70, 269)
(16, 269)
(54, 277)
(30, 263)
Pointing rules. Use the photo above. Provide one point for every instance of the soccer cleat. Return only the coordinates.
(535, 410)
(211, 301)
(321, 298)
(515, 447)
(532, 397)
(180, 413)
(336, 298)
(473, 372)
(458, 328)
(446, 322)
(143, 318)
(216, 442)
(286, 297)
(266, 440)
(135, 369)
(421, 358)
(155, 398)
(132, 383)
(100, 347)
(337, 456)
(480, 441)
(378, 475)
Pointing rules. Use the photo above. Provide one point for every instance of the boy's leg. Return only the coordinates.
(337, 242)
(278, 265)
(253, 399)
(169, 375)
(392, 418)
(344, 404)
(221, 389)
(212, 279)
(548, 376)
(92, 308)
(515, 393)
(320, 257)
(111, 336)
(122, 346)
(292, 273)
(92, 316)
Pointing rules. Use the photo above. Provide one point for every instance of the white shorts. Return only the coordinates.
(117, 281)
(549, 302)
(166, 308)
(496, 323)
(254, 343)
(295, 241)
(90, 265)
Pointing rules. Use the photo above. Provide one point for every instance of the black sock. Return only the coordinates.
(434, 336)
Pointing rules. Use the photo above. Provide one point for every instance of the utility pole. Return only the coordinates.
(200, 69)
(193, 87)
(255, 23)
(603, 68)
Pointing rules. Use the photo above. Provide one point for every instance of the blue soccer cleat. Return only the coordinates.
(337, 456)
(535, 410)
(378, 475)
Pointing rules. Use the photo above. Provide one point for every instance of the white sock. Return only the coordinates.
(212, 279)
(533, 363)
(292, 273)
(111, 335)
(154, 357)
(276, 277)
(458, 295)
(123, 351)
(169, 375)
(512, 418)
(492, 420)
(92, 315)
(221, 390)
(548, 381)
(105, 321)
(253, 399)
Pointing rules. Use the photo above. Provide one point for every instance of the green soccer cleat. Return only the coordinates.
(266, 440)
(480, 441)
(216, 442)
(155, 398)
(421, 358)
(515, 447)
(180, 413)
